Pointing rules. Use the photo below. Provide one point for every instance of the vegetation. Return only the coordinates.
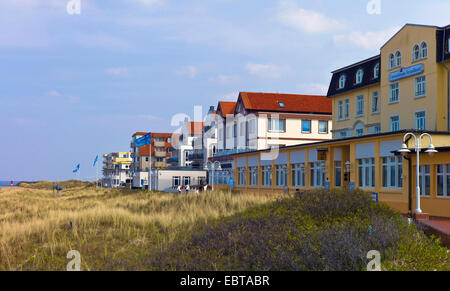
(124, 230)
(320, 230)
(113, 229)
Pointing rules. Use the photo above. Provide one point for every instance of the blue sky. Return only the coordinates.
(74, 86)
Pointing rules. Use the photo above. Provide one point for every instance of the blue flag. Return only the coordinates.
(95, 161)
(77, 169)
(145, 140)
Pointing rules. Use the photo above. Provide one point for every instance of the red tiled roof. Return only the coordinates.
(140, 133)
(292, 103)
(144, 150)
(196, 128)
(226, 108)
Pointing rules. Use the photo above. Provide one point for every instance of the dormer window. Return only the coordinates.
(416, 53)
(376, 71)
(359, 76)
(342, 80)
(424, 50)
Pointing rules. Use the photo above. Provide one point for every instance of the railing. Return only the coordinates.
(232, 152)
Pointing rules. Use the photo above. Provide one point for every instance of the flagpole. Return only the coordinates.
(150, 167)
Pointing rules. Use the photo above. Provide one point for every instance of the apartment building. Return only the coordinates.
(404, 87)
(264, 120)
(259, 121)
(190, 145)
(161, 153)
(117, 169)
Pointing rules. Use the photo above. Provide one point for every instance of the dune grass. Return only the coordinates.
(112, 229)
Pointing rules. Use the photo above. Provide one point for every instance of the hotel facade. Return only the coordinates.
(375, 103)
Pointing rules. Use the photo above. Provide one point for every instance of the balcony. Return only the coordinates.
(159, 144)
(160, 154)
(196, 157)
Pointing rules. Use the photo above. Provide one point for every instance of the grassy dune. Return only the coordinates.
(113, 229)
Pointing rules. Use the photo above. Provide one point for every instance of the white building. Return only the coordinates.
(116, 169)
(169, 180)
(259, 121)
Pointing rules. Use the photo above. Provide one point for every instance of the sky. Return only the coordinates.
(73, 86)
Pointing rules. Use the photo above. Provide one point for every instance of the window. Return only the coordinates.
(146, 159)
(359, 105)
(394, 93)
(398, 58)
(420, 86)
(241, 129)
(281, 176)
(375, 102)
(267, 176)
(242, 179)
(254, 176)
(347, 109)
(420, 120)
(359, 131)
(416, 53)
(424, 180)
(424, 50)
(176, 181)
(366, 173)
(298, 175)
(342, 81)
(317, 175)
(359, 76)
(343, 134)
(392, 172)
(377, 129)
(376, 71)
(338, 174)
(252, 126)
(443, 180)
(391, 61)
(186, 181)
(281, 104)
(306, 126)
(235, 130)
(277, 125)
(323, 126)
(340, 110)
(395, 123)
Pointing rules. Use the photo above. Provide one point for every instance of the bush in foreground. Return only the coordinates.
(320, 230)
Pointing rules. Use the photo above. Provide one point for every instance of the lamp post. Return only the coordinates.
(213, 167)
(417, 147)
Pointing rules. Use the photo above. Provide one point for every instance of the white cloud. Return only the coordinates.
(224, 79)
(305, 20)
(188, 71)
(266, 71)
(369, 39)
(313, 89)
(117, 72)
(53, 93)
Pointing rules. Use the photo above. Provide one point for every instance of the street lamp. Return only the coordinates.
(213, 167)
(431, 150)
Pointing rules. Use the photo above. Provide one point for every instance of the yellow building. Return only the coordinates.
(375, 103)
(404, 87)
